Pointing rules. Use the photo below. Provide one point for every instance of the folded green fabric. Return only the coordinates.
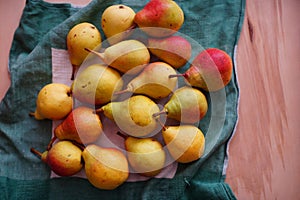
(44, 26)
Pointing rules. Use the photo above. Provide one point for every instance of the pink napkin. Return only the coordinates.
(61, 73)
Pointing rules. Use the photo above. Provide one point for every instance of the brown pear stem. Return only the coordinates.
(161, 124)
(31, 114)
(176, 75)
(160, 113)
(79, 145)
(74, 70)
(36, 152)
(122, 91)
(51, 142)
(122, 135)
(100, 55)
(99, 110)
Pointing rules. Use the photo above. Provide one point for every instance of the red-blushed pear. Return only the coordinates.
(174, 50)
(64, 158)
(165, 15)
(82, 125)
(211, 70)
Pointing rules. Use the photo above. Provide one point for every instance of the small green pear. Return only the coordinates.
(145, 155)
(128, 56)
(64, 158)
(82, 125)
(82, 35)
(116, 22)
(54, 102)
(134, 115)
(105, 168)
(153, 81)
(186, 105)
(186, 143)
(96, 84)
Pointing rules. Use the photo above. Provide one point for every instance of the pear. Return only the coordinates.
(145, 155)
(64, 158)
(96, 84)
(174, 50)
(82, 35)
(186, 105)
(166, 15)
(82, 125)
(105, 168)
(211, 70)
(128, 56)
(186, 143)
(116, 22)
(54, 102)
(134, 115)
(154, 81)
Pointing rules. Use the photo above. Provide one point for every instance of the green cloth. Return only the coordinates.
(44, 26)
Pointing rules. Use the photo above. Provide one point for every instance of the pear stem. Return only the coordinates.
(31, 114)
(99, 110)
(176, 75)
(122, 91)
(161, 124)
(74, 69)
(159, 113)
(100, 55)
(36, 152)
(79, 145)
(122, 135)
(51, 143)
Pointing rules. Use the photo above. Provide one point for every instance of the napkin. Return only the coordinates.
(43, 27)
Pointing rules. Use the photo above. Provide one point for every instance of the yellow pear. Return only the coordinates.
(105, 168)
(128, 56)
(64, 158)
(134, 115)
(96, 84)
(145, 155)
(186, 143)
(116, 22)
(82, 125)
(82, 35)
(54, 102)
(154, 81)
(186, 105)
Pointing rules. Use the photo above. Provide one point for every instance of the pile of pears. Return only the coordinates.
(134, 83)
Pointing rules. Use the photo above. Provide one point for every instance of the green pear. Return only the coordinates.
(174, 50)
(134, 115)
(82, 125)
(186, 105)
(54, 102)
(105, 168)
(165, 15)
(64, 158)
(186, 143)
(82, 35)
(96, 84)
(153, 81)
(128, 56)
(145, 155)
(116, 22)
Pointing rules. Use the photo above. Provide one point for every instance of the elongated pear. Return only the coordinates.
(105, 168)
(153, 82)
(211, 70)
(174, 50)
(134, 115)
(165, 15)
(82, 125)
(186, 143)
(187, 105)
(96, 84)
(128, 56)
(145, 155)
(64, 158)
